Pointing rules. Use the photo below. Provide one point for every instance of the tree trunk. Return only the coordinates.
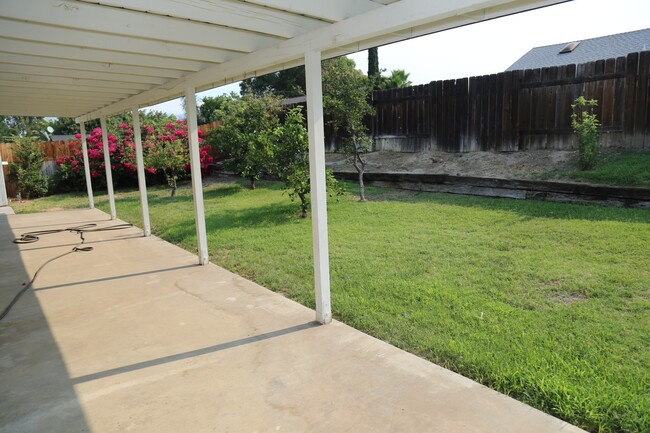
(360, 166)
(303, 205)
(171, 181)
(253, 183)
(373, 66)
(362, 188)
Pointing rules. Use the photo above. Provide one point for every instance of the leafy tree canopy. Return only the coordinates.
(246, 137)
(288, 83)
(207, 111)
(65, 126)
(22, 126)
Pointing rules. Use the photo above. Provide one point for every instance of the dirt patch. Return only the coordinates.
(510, 165)
(567, 298)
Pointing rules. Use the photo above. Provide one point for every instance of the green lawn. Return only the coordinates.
(546, 302)
(622, 168)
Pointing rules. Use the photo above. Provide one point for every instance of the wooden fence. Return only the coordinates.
(517, 110)
(52, 150)
(206, 127)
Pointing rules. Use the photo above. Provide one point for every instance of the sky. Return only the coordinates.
(490, 46)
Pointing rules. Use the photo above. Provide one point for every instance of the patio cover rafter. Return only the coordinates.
(397, 21)
(155, 50)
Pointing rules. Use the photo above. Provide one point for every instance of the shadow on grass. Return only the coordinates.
(271, 215)
(160, 196)
(529, 209)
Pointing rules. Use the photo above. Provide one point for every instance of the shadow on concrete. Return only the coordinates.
(115, 277)
(62, 225)
(194, 353)
(85, 243)
(34, 383)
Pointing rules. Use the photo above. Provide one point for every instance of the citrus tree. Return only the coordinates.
(291, 161)
(246, 137)
(346, 92)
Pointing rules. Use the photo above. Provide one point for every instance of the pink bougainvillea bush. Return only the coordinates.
(165, 150)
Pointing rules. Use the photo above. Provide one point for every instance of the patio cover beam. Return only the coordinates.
(107, 168)
(142, 181)
(398, 21)
(84, 150)
(4, 201)
(195, 170)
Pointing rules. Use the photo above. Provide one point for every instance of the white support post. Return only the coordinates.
(4, 201)
(84, 148)
(142, 182)
(197, 183)
(107, 166)
(315, 126)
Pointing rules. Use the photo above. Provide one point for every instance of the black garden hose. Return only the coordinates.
(31, 237)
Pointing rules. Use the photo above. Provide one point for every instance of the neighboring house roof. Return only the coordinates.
(588, 50)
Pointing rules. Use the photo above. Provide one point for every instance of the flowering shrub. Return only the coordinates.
(165, 151)
(168, 152)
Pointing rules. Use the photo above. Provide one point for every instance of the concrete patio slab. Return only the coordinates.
(134, 336)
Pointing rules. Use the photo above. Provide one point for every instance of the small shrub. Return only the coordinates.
(585, 124)
(27, 170)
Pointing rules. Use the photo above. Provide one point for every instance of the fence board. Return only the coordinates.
(619, 94)
(51, 149)
(498, 111)
(517, 76)
(631, 66)
(483, 120)
(473, 109)
(439, 118)
(646, 73)
(607, 98)
(641, 101)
